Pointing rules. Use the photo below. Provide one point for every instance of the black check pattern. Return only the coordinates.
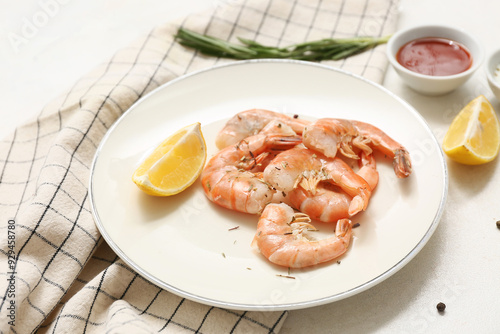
(67, 279)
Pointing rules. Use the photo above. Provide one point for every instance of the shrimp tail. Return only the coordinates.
(344, 226)
(368, 169)
(402, 163)
(358, 204)
(282, 143)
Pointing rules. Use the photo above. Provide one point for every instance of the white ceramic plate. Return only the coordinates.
(185, 243)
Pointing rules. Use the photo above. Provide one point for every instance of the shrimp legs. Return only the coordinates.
(302, 167)
(331, 135)
(280, 238)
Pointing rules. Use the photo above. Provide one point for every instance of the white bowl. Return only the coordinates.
(491, 65)
(428, 84)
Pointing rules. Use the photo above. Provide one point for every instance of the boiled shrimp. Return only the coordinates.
(274, 127)
(250, 122)
(328, 203)
(330, 135)
(305, 168)
(280, 238)
(231, 180)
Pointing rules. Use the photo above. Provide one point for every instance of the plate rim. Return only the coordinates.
(269, 307)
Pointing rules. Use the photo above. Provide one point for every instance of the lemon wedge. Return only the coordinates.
(174, 165)
(474, 135)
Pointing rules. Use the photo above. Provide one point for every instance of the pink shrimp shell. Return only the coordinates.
(276, 241)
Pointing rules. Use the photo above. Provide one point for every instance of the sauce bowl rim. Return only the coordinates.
(477, 53)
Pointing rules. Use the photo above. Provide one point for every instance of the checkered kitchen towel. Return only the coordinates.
(57, 273)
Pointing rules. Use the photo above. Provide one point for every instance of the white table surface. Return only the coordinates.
(459, 266)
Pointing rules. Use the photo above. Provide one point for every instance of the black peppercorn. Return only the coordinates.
(440, 307)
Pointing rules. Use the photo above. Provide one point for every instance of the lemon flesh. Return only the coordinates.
(174, 165)
(474, 135)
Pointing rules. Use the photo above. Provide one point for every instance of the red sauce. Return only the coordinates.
(434, 56)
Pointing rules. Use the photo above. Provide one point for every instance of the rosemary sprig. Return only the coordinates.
(324, 49)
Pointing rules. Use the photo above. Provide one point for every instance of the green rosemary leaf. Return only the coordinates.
(324, 49)
(212, 45)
